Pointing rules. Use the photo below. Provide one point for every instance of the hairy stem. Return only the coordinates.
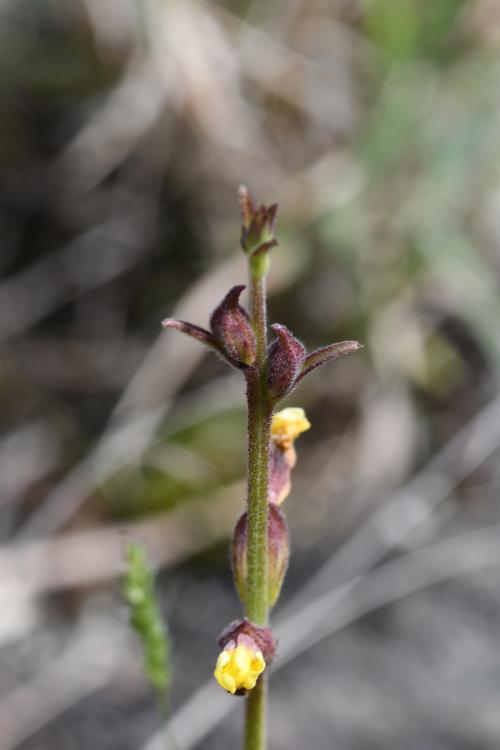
(258, 314)
(259, 425)
(255, 724)
(259, 431)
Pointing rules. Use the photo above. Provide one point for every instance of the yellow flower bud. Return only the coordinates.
(287, 425)
(239, 665)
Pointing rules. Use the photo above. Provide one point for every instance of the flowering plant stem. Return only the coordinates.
(255, 719)
(259, 436)
(261, 545)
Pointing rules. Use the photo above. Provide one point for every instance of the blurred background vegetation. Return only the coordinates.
(126, 127)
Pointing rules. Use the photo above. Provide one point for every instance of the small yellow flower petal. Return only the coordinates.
(287, 425)
(228, 683)
(242, 659)
(249, 682)
(258, 663)
(239, 668)
(223, 659)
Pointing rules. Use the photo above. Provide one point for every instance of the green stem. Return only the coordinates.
(255, 723)
(258, 313)
(259, 434)
(259, 425)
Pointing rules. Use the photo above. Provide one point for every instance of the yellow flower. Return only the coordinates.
(239, 665)
(287, 425)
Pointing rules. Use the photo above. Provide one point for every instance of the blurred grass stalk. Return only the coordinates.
(147, 621)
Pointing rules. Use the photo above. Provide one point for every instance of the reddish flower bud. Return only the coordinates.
(288, 362)
(257, 230)
(278, 553)
(285, 361)
(232, 329)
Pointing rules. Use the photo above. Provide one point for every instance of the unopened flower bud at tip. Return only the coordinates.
(257, 225)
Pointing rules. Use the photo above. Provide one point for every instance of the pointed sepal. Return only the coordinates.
(196, 332)
(286, 359)
(327, 354)
(232, 329)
